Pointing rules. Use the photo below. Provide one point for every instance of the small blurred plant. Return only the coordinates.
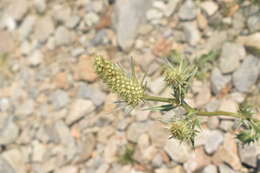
(204, 63)
(178, 75)
(127, 155)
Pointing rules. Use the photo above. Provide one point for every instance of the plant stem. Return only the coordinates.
(188, 108)
(159, 99)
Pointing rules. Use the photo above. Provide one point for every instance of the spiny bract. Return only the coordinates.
(127, 88)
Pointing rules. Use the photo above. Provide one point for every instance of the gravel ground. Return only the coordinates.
(57, 117)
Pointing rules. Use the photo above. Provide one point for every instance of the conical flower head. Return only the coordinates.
(127, 88)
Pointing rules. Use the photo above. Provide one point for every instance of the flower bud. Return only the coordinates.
(127, 88)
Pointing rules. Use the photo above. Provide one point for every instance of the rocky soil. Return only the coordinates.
(57, 117)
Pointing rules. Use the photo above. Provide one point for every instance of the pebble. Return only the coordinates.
(213, 140)
(157, 85)
(248, 154)
(90, 19)
(35, 59)
(246, 75)
(188, 11)
(72, 22)
(253, 23)
(15, 159)
(61, 14)
(154, 14)
(128, 16)
(252, 40)
(171, 7)
(210, 169)
(226, 125)
(25, 109)
(68, 169)
(8, 42)
(78, 109)
(62, 36)
(219, 81)
(179, 152)
(192, 33)
(84, 70)
(135, 130)
(18, 9)
(93, 93)
(40, 6)
(59, 99)
(230, 57)
(38, 151)
(5, 167)
(9, 131)
(228, 152)
(210, 7)
(44, 27)
(225, 169)
(158, 133)
(213, 122)
(26, 27)
(86, 147)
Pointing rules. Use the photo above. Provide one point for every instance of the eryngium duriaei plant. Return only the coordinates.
(127, 87)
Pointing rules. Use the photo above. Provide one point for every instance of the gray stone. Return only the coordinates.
(213, 122)
(247, 74)
(40, 5)
(99, 37)
(72, 22)
(210, 7)
(38, 151)
(68, 169)
(16, 160)
(225, 169)
(179, 152)
(135, 130)
(192, 33)
(219, 81)
(252, 40)
(226, 125)
(253, 23)
(154, 14)
(128, 15)
(248, 154)
(157, 85)
(210, 169)
(93, 93)
(62, 36)
(171, 7)
(44, 27)
(188, 10)
(231, 55)
(59, 99)
(90, 19)
(35, 58)
(5, 167)
(25, 109)
(18, 9)
(4, 105)
(26, 28)
(8, 130)
(78, 109)
(61, 13)
(66, 139)
(213, 105)
(213, 140)
(86, 146)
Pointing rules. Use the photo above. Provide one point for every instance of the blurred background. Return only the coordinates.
(56, 116)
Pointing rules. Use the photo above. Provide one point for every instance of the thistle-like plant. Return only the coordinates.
(178, 74)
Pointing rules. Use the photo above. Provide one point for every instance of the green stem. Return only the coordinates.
(159, 99)
(188, 108)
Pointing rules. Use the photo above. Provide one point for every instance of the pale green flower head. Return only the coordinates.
(126, 87)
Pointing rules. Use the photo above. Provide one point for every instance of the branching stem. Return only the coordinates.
(188, 108)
